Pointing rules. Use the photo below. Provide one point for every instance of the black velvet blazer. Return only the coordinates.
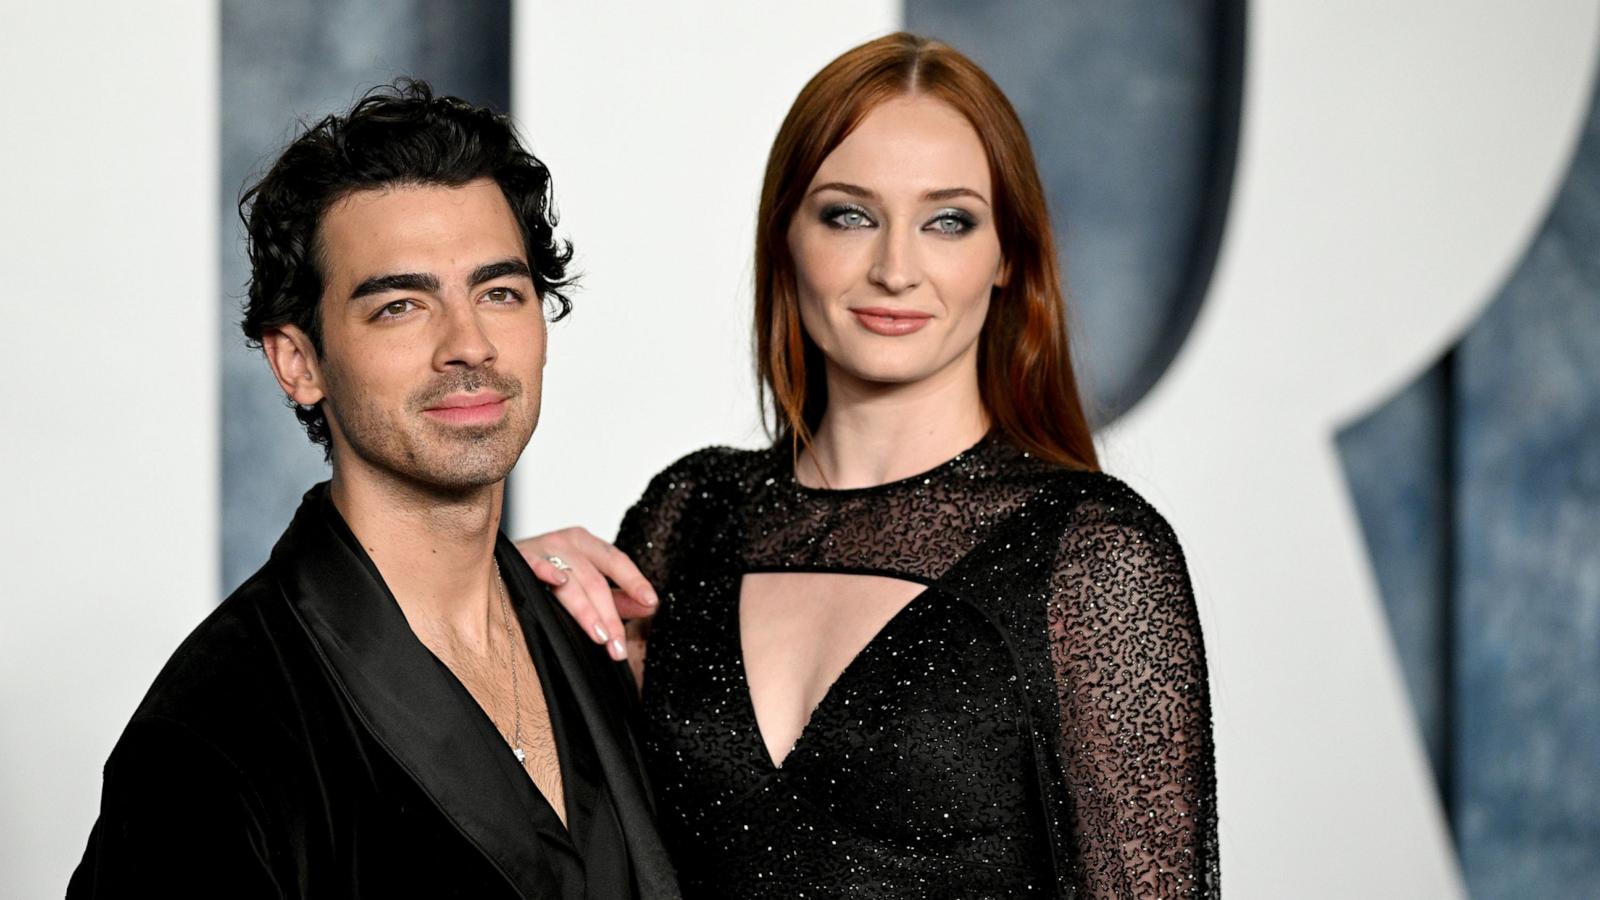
(303, 743)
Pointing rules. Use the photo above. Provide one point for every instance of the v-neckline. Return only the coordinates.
(539, 654)
(748, 700)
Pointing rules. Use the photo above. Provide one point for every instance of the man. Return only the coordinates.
(392, 706)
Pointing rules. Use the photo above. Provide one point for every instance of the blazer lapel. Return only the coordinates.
(588, 670)
(408, 699)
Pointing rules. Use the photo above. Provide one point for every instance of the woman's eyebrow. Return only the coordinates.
(953, 192)
(854, 190)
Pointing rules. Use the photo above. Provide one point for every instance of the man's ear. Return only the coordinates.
(295, 364)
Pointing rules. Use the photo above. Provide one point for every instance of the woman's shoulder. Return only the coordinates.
(715, 471)
(717, 464)
(717, 459)
(1079, 500)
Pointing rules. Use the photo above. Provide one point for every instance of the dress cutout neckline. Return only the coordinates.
(775, 762)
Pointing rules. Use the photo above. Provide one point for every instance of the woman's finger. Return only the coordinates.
(546, 571)
(598, 594)
(616, 565)
(571, 594)
(628, 608)
(575, 599)
(579, 581)
(536, 551)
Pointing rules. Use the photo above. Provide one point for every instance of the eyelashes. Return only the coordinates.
(846, 217)
(394, 309)
(503, 296)
(399, 309)
(953, 222)
(950, 222)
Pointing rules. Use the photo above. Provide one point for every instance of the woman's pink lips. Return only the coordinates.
(468, 409)
(891, 322)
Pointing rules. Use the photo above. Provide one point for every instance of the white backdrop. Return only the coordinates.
(1395, 158)
(108, 450)
(655, 120)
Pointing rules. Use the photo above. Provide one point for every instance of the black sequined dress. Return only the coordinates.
(1034, 724)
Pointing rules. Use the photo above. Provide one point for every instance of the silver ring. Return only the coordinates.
(559, 563)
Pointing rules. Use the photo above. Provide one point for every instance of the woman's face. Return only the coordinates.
(895, 247)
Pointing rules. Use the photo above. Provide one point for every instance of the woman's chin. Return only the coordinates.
(888, 374)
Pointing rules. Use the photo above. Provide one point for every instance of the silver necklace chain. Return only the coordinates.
(516, 690)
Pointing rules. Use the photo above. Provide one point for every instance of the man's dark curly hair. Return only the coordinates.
(397, 134)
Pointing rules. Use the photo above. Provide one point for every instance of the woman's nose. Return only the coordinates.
(896, 268)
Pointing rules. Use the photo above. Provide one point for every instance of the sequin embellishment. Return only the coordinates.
(1037, 724)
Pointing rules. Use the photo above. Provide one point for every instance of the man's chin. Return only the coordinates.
(466, 471)
(446, 461)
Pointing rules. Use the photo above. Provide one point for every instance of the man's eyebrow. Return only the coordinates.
(399, 281)
(501, 269)
(424, 281)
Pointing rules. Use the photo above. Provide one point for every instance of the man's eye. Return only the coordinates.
(847, 218)
(952, 222)
(502, 295)
(394, 309)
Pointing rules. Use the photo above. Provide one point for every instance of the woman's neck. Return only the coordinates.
(874, 433)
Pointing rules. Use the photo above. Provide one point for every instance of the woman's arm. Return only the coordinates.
(1135, 737)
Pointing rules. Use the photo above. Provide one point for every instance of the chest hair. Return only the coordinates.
(487, 677)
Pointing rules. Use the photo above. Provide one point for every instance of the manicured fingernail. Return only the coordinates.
(601, 633)
(650, 599)
(618, 652)
(561, 576)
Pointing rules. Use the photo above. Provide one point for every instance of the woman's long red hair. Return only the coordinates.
(1025, 375)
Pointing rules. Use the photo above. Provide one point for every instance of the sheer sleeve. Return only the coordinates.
(649, 526)
(1135, 738)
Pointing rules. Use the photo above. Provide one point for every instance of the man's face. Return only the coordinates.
(433, 337)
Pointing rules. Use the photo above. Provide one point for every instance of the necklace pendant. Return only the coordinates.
(517, 752)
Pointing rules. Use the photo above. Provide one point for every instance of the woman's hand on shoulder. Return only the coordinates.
(576, 566)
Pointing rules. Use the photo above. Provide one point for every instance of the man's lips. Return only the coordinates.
(468, 409)
(891, 322)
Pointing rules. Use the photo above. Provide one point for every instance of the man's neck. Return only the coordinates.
(434, 549)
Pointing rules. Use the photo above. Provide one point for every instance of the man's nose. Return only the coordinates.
(464, 342)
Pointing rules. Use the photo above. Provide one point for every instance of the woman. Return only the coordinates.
(921, 646)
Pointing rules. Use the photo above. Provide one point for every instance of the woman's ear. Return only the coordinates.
(294, 363)
(1002, 277)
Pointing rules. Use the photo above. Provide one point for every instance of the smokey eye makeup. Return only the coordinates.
(953, 222)
(845, 216)
(948, 222)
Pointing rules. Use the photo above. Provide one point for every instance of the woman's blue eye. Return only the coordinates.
(847, 218)
(952, 222)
